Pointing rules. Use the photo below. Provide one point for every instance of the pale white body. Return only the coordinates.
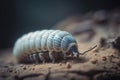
(35, 45)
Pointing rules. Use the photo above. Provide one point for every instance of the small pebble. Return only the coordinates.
(96, 50)
(15, 72)
(34, 64)
(33, 68)
(24, 68)
(94, 61)
(95, 54)
(10, 70)
(102, 49)
(112, 55)
(60, 64)
(104, 58)
(21, 65)
(68, 65)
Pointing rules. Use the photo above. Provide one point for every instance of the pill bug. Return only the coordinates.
(45, 45)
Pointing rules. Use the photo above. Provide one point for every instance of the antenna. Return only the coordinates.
(89, 50)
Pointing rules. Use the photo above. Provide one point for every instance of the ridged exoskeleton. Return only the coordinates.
(45, 45)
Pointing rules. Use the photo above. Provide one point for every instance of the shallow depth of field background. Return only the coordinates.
(21, 16)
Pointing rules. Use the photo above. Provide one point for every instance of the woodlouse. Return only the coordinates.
(45, 45)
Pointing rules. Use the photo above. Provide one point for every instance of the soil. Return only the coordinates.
(101, 63)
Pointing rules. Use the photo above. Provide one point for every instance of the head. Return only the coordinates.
(74, 51)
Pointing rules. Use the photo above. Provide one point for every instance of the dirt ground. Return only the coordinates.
(102, 63)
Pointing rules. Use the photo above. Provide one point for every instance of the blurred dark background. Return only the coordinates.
(21, 16)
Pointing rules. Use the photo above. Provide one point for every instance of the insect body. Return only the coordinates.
(44, 46)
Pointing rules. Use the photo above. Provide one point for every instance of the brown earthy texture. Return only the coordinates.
(102, 63)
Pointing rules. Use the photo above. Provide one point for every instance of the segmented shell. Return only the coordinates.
(41, 41)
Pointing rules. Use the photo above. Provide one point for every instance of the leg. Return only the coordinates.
(78, 55)
(41, 57)
(52, 57)
(35, 58)
(31, 58)
(72, 55)
(64, 54)
(27, 59)
(75, 54)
